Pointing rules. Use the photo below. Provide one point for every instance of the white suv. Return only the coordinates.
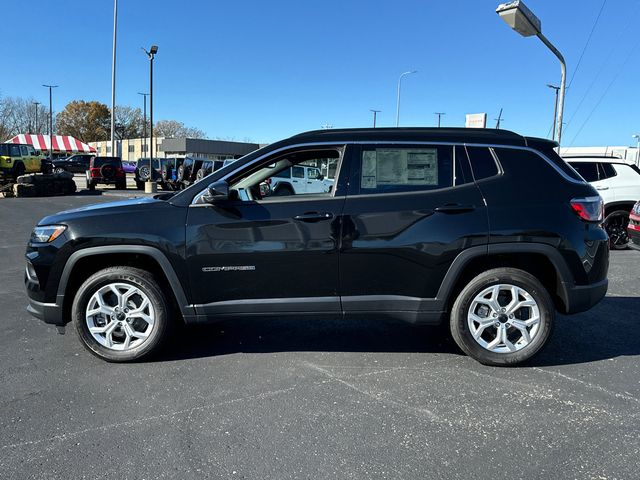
(618, 184)
(300, 179)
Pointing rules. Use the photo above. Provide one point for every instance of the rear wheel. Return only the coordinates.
(283, 190)
(616, 226)
(503, 317)
(91, 185)
(121, 314)
(139, 185)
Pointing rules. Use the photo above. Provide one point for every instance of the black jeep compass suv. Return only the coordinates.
(487, 230)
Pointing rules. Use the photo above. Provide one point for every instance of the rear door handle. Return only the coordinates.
(602, 188)
(313, 216)
(455, 208)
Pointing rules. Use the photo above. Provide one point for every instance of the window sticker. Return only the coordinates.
(399, 167)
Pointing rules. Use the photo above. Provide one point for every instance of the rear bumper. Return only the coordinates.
(580, 298)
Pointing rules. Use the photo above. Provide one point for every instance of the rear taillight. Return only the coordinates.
(590, 209)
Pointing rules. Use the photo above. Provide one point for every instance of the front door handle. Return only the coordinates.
(313, 216)
(455, 208)
(602, 188)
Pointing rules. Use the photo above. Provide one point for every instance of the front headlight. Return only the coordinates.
(47, 233)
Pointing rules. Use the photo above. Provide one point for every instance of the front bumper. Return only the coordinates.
(47, 312)
(580, 298)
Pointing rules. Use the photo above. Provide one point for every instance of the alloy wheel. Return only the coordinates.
(120, 316)
(503, 318)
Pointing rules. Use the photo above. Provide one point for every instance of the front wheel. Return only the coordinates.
(503, 317)
(59, 170)
(616, 227)
(121, 314)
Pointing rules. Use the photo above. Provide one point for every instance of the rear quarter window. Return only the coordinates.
(559, 162)
(482, 162)
(529, 167)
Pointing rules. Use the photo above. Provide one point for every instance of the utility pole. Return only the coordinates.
(555, 108)
(50, 87)
(375, 114)
(35, 128)
(499, 120)
(113, 82)
(144, 120)
(439, 114)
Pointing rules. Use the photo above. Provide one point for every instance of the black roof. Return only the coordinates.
(422, 134)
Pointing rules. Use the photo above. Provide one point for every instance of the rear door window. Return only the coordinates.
(587, 170)
(297, 172)
(15, 150)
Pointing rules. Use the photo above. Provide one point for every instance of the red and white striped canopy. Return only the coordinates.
(61, 143)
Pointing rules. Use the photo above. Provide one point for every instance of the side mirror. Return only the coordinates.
(216, 192)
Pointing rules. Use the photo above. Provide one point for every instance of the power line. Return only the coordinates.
(606, 91)
(603, 65)
(587, 43)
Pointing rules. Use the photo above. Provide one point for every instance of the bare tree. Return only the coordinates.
(18, 115)
(128, 122)
(174, 128)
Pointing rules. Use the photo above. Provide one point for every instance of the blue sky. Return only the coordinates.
(266, 70)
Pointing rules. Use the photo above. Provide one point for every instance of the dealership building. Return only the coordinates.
(134, 148)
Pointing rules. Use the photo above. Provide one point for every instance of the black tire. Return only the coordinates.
(59, 170)
(19, 169)
(200, 175)
(145, 282)
(510, 276)
(91, 186)
(139, 185)
(616, 226)
(283, 190)
(121, 185)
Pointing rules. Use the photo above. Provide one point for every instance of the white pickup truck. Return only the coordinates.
(300, 179)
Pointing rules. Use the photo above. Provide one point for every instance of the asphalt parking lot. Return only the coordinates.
(315, 399)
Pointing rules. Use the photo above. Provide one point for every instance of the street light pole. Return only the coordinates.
(518, 16)
(144, 120)
(150, 186)
(35, 128)
(439, 114)
(50, 87)
(113, 81)
(555, 109)
(398, 99)
(375, 114)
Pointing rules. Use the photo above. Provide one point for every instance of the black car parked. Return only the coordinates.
(170, 169)
(78, 163)
(487, 230)
(210, 166)
(187, 172)
(141, 173)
